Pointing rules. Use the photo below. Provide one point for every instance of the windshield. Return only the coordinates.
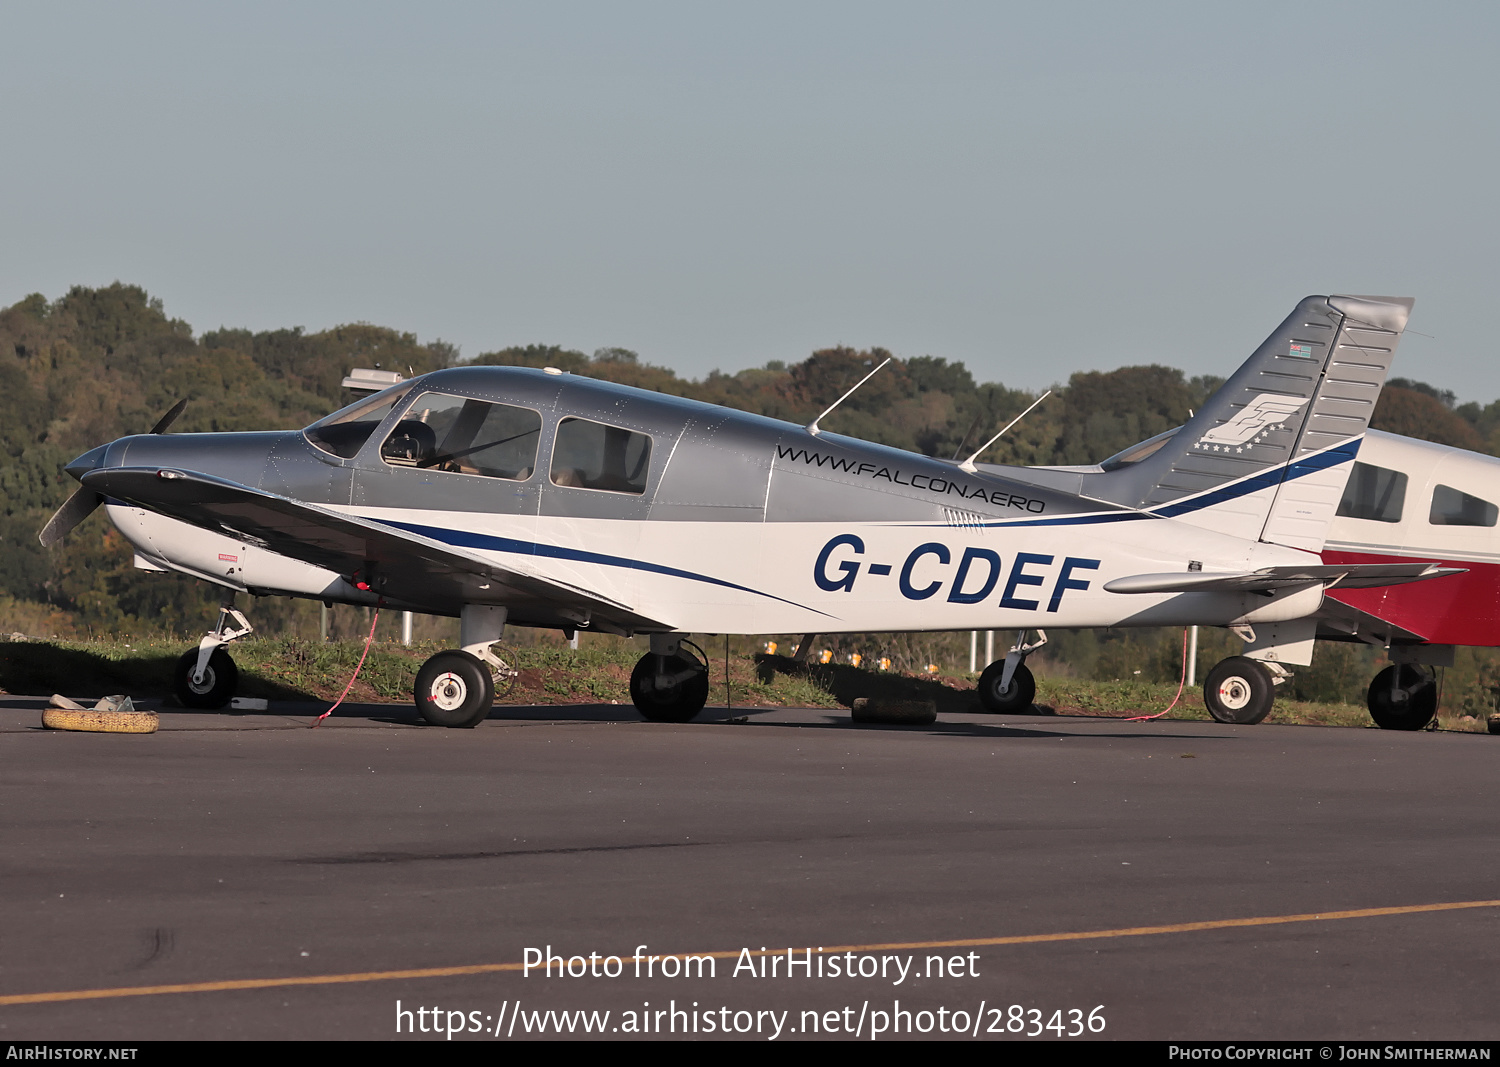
(344, 432)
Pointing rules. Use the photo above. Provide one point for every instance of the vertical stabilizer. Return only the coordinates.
(1268, 455)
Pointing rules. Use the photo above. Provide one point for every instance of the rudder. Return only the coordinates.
(1268, 455)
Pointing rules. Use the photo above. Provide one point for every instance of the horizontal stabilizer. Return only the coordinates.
(1269, 579)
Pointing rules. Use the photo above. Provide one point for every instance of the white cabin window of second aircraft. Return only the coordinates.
(1453, 507)
(1373, 493)
(591, 455)
(463, 436)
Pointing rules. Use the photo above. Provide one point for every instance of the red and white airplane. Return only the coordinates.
(1406, 502)
(1411, 501)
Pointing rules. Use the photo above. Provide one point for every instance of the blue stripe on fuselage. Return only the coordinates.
(1266, 479)
(1299, 468)
(489, 542)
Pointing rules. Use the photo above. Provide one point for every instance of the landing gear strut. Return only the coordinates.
(1403, 698)
(669, 683)
(457, 687)
(1006, 687)
(205, 676)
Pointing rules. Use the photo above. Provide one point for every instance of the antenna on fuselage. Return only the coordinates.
(812, 427)
(968, 464)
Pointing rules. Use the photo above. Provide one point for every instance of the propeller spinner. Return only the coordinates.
(84, 500)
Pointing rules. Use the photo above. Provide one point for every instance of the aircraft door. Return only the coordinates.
(598, 485)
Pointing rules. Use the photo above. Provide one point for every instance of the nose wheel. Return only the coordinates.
(205, 676)
(213, 688)
(454, 689)
(1403, 698)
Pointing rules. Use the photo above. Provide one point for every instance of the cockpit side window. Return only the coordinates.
(463, 436)
(344, 432)
(591, 455)
(1452, 507)
(1373, 493)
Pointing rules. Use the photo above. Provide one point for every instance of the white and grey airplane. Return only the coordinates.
(515, 496)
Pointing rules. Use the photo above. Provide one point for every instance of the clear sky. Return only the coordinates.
(1031, 189)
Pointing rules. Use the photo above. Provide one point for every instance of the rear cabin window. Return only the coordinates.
(1373, 493)
(454, 433)
(1453, 507)
(591, 455)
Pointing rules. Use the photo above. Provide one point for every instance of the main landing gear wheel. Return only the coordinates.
(454, 689)
(676, 692)
(1014, 698)
(1412, 705)
(220, 679)
(1239, 691)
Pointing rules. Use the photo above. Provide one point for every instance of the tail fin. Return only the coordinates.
(1268, 455)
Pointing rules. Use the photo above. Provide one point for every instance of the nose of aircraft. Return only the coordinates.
(93, 459)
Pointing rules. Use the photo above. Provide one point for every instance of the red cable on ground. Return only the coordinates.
(355, 675)
(1180, 684)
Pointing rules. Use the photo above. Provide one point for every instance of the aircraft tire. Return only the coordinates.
(677, 703)
(1014, 699)
(220, 679)
(1413, 709)
(1239, 691)
(454, 689)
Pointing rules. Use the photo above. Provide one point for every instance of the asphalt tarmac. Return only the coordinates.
(301, 868)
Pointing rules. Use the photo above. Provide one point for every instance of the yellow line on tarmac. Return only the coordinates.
(976, 942)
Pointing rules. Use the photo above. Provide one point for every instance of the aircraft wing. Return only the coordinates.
(401, 566)
(1269, 579)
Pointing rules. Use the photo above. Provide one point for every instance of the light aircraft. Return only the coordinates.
(517, 496)
(1406, 501)
(1411, 501)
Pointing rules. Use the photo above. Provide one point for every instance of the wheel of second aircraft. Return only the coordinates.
(454, 689)
(1014, 698)
(1239, 691)
(1413, 704)
(220, 679)
(681, 698)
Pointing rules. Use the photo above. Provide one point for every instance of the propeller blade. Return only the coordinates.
(75, 509)
(82, 503)
(170, 417)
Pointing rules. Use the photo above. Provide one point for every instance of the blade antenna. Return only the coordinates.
(968, 464)
(812, 427)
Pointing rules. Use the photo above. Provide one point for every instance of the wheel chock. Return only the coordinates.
(897, 712)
